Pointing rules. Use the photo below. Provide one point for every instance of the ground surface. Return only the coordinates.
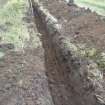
(23, 73)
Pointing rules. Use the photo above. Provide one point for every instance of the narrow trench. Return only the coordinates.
(58, 82)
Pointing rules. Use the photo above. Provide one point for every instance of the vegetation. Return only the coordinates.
(12, 27)
(94, 5)
(88, 52)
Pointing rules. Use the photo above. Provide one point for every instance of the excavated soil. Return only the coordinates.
(83, 25)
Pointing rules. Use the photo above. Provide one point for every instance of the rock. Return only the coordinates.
(70, 2)
(2, 55)
(6, 46)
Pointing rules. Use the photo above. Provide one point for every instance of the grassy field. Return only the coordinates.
(12, 28)
(94, 5)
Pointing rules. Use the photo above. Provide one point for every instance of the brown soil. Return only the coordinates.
(83, 25)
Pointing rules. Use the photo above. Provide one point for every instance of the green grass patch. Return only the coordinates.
(94, 5)
(12, 28)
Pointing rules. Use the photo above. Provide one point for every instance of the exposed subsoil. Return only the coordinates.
(83, 25)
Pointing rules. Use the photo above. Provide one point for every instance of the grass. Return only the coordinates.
(82, 50)
(12, 28)
(94, 5)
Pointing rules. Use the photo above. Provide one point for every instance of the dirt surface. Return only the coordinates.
(84, 26)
